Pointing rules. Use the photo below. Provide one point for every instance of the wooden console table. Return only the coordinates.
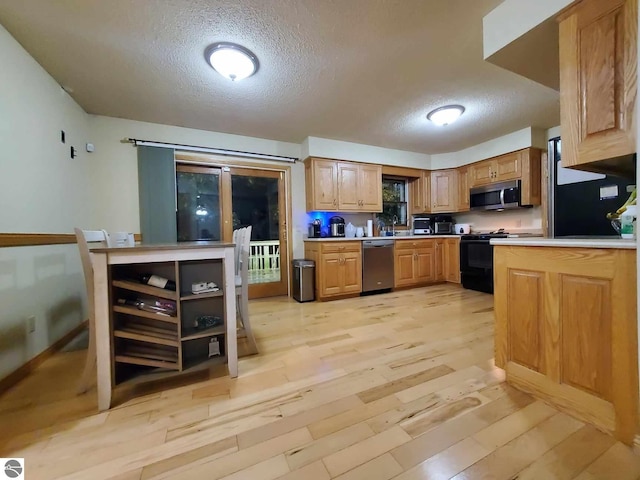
(139, 340)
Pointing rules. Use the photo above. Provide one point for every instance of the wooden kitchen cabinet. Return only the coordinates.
(439, 260)
(463, 190)
(498, 169)
(566, 330)
(451, 260)
(321, 182)
(338, 186)
(523, 165)
(338, 267)
(414, 262)
(444, 191)
(598, 64)
(420, 193)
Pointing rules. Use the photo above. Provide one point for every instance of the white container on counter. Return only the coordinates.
(628, 223)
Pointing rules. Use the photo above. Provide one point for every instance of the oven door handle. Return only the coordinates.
(502, 198)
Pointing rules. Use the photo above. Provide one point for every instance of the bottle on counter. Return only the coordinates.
(158, 281)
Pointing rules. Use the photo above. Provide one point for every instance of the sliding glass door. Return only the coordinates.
(212, 202)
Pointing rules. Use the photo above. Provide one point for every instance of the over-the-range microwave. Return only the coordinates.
(497, 196)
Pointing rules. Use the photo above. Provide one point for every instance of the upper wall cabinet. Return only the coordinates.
(498, 169)
(521, 165)
(337, 186)
(444, 191)
(598, 64)
(463, 189)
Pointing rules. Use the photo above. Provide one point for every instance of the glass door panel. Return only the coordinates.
(257, 199)
(199, 206)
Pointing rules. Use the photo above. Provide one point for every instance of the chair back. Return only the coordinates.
(84, 238)
(242, 240)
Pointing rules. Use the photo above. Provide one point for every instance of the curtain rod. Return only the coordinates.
(220, 151)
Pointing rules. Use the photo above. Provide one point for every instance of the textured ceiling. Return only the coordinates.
(365, 71)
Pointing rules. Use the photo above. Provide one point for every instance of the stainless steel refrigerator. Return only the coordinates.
(579, 201)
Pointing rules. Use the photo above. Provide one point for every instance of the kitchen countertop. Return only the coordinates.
(585, 242)
(359, 239)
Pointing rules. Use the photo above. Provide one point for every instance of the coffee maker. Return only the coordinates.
(336, 227)
(315, 229)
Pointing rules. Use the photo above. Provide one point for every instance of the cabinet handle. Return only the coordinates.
(340, 248)
(334, 202)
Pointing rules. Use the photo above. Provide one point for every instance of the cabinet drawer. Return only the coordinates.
(341, 247)
(411, 244)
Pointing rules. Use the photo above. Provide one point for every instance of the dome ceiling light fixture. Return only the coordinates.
(445, 115)
(232, 61)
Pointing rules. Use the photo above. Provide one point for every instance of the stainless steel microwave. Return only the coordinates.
(497, 196)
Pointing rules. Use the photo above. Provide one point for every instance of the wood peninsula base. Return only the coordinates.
(566, 330)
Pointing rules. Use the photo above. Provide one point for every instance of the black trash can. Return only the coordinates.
(304, 280)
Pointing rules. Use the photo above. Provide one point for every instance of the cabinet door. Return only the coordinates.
(324, 188)
(329, 277)
(404, 268)
(370, 188)
(480, 173)
(507, 167)
(440, 260)
(416, 193)
(598, 64)
(452, 260)
(348, 198)
(463, 189)
(426, 185)
(351, 272)
(444, 191)
(425, 265)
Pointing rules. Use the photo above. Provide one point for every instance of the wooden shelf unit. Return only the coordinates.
(156, 340)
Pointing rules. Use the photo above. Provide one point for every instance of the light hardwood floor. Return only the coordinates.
(400, 385)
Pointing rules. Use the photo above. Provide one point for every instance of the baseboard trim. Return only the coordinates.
(22, 372)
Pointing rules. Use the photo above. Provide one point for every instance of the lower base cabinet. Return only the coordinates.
(416, 262)
(452, 260)
(338, 267)
(566, 330)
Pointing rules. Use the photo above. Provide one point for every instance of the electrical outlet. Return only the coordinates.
(31, 324)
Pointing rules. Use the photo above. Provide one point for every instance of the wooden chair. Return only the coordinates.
(242, 240)
(84, 238)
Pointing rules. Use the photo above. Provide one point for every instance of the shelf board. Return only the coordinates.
(144, 314)
(146, 362)
(193, 334)
(197, 296)
(148, 289)
(132, 333)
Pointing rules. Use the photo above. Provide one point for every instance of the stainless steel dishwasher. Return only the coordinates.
(377, 265)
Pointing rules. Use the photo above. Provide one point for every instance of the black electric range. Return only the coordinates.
(476, 260)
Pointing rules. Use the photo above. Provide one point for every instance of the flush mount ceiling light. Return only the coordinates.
(445, 115)
(231, 61)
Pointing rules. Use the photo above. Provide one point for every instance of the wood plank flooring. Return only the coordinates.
(400, 385)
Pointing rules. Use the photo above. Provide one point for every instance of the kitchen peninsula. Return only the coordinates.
(129, 340)
(566, 325)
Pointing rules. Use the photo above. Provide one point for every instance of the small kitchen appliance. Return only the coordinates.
(315, 228)
(422, 225)
(443, 225)
(336, 227)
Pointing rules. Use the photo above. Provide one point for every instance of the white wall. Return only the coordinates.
(527, 137)
(115, 169)
(357, 152)
(513, 18)
(43, 190)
